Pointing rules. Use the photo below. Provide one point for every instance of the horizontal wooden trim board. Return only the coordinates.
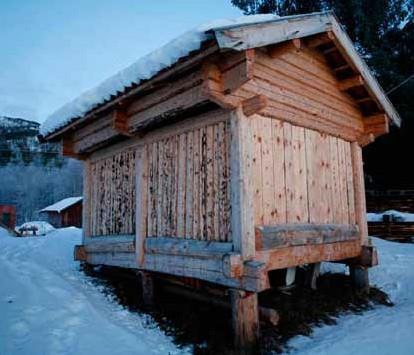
(175, 246)
(290, 235)
(282, 258)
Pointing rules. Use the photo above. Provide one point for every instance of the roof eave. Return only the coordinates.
(243, 37)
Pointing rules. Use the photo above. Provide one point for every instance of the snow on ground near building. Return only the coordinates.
(383, 330)
(47, 306)
(62, 204)
(396, 216)
(37, 227)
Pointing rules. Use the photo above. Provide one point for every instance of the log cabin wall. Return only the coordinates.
(302, 140)
(112, 194)
(188, 184)
(300, 175)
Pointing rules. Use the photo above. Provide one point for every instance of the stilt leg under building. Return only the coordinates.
(245, 314)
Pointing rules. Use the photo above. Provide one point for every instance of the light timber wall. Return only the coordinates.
(188, 184)
(300, 175)
(112, 194)
(303, 90)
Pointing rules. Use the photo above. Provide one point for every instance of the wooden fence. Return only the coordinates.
(395, 231)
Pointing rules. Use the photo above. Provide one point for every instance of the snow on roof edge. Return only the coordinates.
(62, 204)
(149, 65)
(143, 69)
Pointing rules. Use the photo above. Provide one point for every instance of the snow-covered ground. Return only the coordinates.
(47, 306)
(383, 330)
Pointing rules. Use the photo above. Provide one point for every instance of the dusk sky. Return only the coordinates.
(52, 51)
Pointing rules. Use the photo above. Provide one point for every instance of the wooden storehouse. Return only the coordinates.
(240, 157)
(64, 213)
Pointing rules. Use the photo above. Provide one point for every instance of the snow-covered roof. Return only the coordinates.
(62, 204)
(228, 34)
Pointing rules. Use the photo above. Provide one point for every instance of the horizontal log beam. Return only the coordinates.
(350, 83)
(254, 105)
(289, 235)
(376, 124)
(120, 122)
(320, 39)
(282, 258)
(186, 247)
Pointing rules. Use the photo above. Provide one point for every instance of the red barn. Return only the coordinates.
(8, 216)
(64, 213)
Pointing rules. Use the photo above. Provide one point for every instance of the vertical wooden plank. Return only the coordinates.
(209, 181)
(141, 167)
(343, 182)
(257, 172)
(333, 149)
(217, 176)
(278, 153)
(221, 188)
(227, 205)
(181, 186)
(86, 203)
(267, 170)
(160, 189)
(189, 182)
(155, 189)
(350, 183)
(202, 185)
(313, 193)
(296, 175)
(359, 192)
(196, 186)
(326, 211)
(241, 158)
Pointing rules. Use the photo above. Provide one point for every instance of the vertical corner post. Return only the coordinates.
(141, 159)
(241, 158)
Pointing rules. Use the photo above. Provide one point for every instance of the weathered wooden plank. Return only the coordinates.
(307, 254)
(174, 246)
(87, 201)
(288, 235)
(296, 174)
(279, 183)
(350, 183)
(241, 157)
(257, 171)
(181, 185)
(189, 192)
(245, 319)
(268, 178)
(359, 192)
(141, 191)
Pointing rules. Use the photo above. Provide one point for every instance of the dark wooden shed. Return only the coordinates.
(235, 158)
(8, 216)
(64, 213)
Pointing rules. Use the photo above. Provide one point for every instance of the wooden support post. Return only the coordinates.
(360, 278)
(86, 202)
(312, 275)
(141, 203)
(147, 283)
(245, 316)
(359, 192)
(241, 152)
